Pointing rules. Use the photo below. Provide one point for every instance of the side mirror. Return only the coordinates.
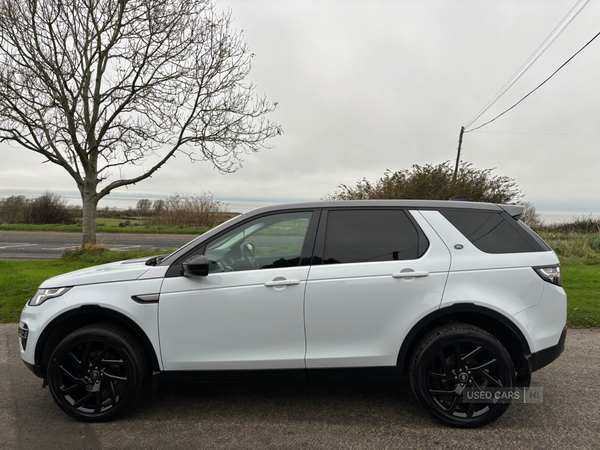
(196, 266)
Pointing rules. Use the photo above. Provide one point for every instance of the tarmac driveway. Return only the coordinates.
(312, 416)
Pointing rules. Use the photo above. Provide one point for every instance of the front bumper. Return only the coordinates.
(37, 370)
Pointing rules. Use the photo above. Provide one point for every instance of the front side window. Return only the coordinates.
(371, 235)
(267, 242)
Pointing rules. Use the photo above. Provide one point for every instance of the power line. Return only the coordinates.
(554, 34)
(539, 86)
(538, 133)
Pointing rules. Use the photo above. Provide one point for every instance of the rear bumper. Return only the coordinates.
(544, 357)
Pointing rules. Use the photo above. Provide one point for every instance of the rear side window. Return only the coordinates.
(371, 235)
(490, 232)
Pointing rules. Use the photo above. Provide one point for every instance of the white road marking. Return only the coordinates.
(123, 247)
(15, 245)
(76, 246)
(64, 247)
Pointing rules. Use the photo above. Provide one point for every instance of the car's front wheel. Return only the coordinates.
(461, 374)
(96, 373)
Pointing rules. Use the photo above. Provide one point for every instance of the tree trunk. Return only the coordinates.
(89, 204)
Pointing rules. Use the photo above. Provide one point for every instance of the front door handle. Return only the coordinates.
(281, 283)
(410, 274)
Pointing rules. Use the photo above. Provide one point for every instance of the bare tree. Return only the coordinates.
(143, 207)
(99, 86)
(13, 209)
(530, 215)
(191, 211)
(158, 207)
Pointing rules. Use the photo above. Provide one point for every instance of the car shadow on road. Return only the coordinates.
(330, 402)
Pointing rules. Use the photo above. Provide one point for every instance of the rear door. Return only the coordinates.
(375, 274)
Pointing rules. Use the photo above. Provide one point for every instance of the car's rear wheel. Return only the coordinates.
(96, 373)
(461, 374)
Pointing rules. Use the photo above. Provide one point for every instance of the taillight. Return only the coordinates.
(551, 274)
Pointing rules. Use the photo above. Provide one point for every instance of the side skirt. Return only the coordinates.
(387, 373)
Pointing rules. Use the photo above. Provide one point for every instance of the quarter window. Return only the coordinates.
(488, 231)
(371, 235)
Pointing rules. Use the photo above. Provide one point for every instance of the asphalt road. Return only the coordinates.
(311, 416)
(23, 245)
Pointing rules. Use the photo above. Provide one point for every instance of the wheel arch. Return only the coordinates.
(74, 319)
(500, 326)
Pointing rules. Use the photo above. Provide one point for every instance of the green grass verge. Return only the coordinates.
(575, 248)
(132, 229)
(582, 284)
(20, 279)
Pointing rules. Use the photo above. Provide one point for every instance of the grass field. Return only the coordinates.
(20, 280)
(582, 284)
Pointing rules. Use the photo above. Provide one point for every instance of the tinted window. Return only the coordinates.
(371, 235)
(489, 232)
(536, 242)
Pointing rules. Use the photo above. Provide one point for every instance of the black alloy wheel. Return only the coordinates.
(96, 373)
(454, 361)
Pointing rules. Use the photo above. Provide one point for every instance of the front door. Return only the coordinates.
(248, 313)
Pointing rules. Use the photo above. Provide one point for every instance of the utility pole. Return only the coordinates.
(460, 136)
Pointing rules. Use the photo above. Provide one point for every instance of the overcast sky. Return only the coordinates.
(365, 86)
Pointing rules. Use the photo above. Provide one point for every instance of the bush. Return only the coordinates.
(584, 224)
(158, 207)
(593, 242)
(191, 211)
(13, 209)
(435, 183)
(575, 245)
(49, 208)
(530, 216)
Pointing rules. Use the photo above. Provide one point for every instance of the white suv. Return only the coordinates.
(456, 295)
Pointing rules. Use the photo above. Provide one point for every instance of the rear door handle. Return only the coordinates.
(281, 283)
(410, 274)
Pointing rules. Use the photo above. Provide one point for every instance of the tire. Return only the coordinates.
(96, 373)
(452, 358)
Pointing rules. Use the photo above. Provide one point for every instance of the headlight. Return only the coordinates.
(44, 294)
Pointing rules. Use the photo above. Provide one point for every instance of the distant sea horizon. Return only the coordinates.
(549, 217)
